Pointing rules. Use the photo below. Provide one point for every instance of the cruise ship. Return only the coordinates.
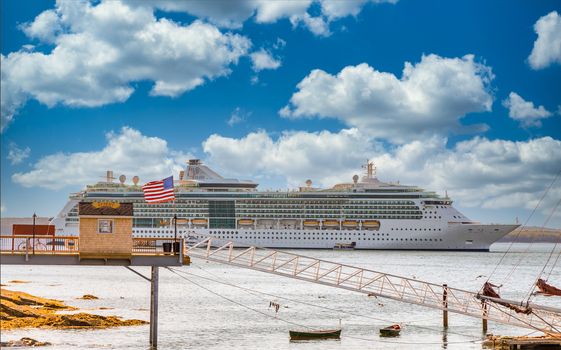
(364, 213)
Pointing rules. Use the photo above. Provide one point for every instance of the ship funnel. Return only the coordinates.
(110, 176)
(181, 175)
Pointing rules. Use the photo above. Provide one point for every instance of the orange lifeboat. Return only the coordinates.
(199, 222)
(350, 223)
(331, 223)
(371, 224)
(245, 222)
(311, 223)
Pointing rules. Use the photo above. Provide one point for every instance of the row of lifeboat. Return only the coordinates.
(346, 223)
(373, 224)
(368, 224)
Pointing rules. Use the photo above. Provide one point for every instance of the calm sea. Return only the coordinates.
(192, 317)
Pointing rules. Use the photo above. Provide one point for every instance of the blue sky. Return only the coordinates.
(284, 91)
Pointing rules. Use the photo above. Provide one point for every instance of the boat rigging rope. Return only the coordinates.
(520, 231)
(256, 292)
(251, 291)
(300, 325)
(233, 301)
(533, 287)
(555, 262)
(518, 319)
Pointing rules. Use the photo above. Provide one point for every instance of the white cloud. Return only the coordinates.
(429, 98)
(297, 156)
(547, 47)
(106, 47)
(317, 25)
(233, 13)
(128, 152)
(3, 208)
(237, 116)
(17, 155)
(263, 59)
(524, 111)
(478, 173)
(45, 27)
(337, 9)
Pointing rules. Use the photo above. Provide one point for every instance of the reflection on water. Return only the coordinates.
(194, 318)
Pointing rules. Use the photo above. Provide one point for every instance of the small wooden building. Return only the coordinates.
(105, 230)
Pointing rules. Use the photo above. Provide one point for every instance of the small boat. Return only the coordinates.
(391, 331)
(344, 246)
(314, 335)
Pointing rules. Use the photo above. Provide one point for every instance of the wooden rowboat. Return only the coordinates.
(391, 331)
(315, 335)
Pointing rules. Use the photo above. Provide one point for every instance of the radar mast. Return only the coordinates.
(370, 169)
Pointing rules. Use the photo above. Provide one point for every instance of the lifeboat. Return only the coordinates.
(311, 223)
(373, 224)
(331, 223)
(350, 223)
(199, 221)
(245, 222)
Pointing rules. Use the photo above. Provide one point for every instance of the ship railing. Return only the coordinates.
(39, 244)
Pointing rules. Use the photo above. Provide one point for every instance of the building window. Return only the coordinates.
(104, 226)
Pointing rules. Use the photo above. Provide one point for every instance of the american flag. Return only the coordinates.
(159, 191)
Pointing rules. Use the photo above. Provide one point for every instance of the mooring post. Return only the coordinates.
(27, 249)
(484, 319)
(445, 305)
(181, 244)
(154, 308)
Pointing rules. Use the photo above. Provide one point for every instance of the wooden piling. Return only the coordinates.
(484, 319)
(445, 305)
(154, 308)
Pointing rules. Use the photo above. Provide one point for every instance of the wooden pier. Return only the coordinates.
(65, 250)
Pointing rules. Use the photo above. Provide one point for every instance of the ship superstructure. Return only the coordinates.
(367, 213)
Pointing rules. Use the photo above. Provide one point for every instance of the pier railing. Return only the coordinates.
(49, 244)
(42, 244)
(151, 246)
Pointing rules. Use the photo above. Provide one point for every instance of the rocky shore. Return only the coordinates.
(23, 310)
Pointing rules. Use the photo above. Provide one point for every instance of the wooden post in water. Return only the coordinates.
(445, 305)
(154, 308)
(484, 319)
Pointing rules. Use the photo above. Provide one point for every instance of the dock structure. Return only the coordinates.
(56, 250)
(105, 240)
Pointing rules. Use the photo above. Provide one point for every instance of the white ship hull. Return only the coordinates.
(472, 237)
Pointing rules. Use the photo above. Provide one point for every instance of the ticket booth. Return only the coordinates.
(105, 230)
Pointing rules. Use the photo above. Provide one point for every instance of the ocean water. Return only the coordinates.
(211, 315)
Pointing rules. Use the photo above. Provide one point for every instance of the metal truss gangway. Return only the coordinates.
(375, 283)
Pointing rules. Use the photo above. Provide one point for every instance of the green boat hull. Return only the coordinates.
(313, 335)
(389, 332)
